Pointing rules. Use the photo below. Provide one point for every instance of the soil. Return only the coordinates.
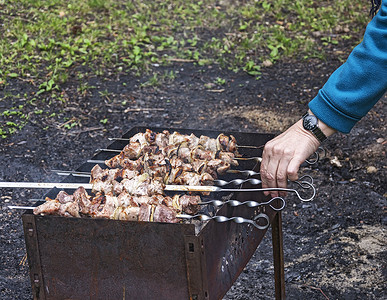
(335, 246)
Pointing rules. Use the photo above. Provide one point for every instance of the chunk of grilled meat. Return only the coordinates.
(50, 207)
(180, 177)
(97, 173)
(141, 185)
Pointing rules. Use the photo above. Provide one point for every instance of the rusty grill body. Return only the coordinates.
(77, 258)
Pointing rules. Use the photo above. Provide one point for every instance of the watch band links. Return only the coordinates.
(316, 130)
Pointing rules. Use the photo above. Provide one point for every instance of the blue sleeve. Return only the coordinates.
(354, 88)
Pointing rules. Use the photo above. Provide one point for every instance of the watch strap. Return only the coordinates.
(319, 134)
(316, 130)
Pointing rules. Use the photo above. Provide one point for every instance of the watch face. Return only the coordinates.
(310, 122)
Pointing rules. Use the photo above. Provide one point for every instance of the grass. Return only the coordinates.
(46, 41)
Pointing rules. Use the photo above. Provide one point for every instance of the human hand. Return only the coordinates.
(283, 155)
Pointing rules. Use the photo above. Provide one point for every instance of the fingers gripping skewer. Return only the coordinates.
(238, 220)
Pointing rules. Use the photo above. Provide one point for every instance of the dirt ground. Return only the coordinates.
(335, 246)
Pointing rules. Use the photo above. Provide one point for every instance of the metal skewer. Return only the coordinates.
(244, 172)
(217, 182)
(108, 150)
(176, 188)
(20, 207)
(251, 203)
(238, 146)
(238, 181)
(219, 219)
(74, 173)
(45, 185)
(255, 158)
(238, 220)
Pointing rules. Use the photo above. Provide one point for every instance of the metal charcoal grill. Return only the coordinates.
(76, 258)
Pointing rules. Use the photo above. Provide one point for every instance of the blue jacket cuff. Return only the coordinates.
(324, 110)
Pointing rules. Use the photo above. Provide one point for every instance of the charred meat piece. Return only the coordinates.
(50, 207)
(132, 150)
(145, 213)
(143, 185)
(163, 213)
(126, 213)
(83, 200)
(225, 143)
(120, 160)
(63, 197)
(108, 208)
(186, 203)
(180, 177)
(69, 209)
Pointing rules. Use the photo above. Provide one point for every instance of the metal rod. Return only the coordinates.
(118, 139)
(258, 159)
(239, 220)
(108, 150)
(250, 203)
(89, 186)
(94, 161)
(74, 173)
(44, 185)
(244, 172)
(251, 147)
(176, 188)
(20, 207)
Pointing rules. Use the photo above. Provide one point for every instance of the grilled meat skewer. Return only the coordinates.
(124, 206)
(109, 180)
(183, 152)
(165, 138)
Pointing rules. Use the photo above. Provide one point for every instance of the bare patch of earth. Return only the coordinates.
(334, 246)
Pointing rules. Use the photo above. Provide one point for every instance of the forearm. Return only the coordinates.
(354, 88)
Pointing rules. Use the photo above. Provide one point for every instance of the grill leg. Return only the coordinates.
(278, 256)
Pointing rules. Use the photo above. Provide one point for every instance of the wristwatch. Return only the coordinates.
(310, 122)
